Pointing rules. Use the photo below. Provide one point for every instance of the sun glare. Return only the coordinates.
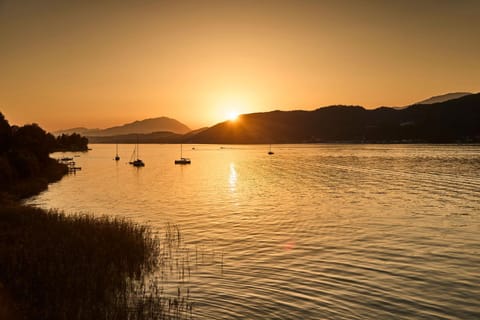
(232, 115)
(231, 107)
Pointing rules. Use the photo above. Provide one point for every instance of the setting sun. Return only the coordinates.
(232, 115)
(232, 106)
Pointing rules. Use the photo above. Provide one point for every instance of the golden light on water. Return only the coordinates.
(232, 179)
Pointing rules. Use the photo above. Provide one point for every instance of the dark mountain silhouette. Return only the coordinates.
(79, 130)
(444, 97)
(136, 127)
(154, 137)
(456, 120)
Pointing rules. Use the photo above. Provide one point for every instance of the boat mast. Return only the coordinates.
(117, 157)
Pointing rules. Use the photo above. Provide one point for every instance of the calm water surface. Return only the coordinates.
(311, 232)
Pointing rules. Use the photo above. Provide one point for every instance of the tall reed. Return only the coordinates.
(82, 267)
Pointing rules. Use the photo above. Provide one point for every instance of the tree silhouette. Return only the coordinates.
(25, 163)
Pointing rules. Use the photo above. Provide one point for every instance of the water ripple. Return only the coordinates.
(312, 232)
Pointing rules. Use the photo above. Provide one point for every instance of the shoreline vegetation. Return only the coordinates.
(25, 164)
(58, 266)
(55, 266)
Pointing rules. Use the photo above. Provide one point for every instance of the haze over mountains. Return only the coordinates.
(444, 97)
(451, 120)
(138, 127)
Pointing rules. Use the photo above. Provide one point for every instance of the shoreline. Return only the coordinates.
(80, 266)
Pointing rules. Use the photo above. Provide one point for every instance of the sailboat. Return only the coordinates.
(182, 160)
(270, 151)
(117, 157)
(137, 162)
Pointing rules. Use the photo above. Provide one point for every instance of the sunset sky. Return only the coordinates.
(100, 63)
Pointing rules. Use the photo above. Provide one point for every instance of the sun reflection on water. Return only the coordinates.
(232, 179)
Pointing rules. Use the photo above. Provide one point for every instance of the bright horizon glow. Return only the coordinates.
(99, 64)
(233, 105)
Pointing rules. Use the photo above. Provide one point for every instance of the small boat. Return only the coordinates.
(137, 162)
(182, 160)
(117, 157)
(270, 151)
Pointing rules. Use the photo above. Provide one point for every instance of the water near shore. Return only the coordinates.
(311, 232)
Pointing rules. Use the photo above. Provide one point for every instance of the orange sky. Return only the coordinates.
(101, 63)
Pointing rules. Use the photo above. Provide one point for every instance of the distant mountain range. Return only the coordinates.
(456, 118)
(444, 97)
(146, 126)
(154, 137)
(439, 98)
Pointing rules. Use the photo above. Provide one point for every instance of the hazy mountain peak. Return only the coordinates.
(444, 97)
(139, 126)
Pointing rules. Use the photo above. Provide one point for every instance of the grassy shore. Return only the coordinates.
(80, 267)
(54, 266)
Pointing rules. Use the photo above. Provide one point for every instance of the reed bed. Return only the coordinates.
(56, 266)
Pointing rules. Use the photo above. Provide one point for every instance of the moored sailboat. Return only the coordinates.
(182, 160)
(270, 151)
(134, 160)
(117, 157)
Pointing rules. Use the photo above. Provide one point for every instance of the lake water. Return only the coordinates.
(311, 232)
